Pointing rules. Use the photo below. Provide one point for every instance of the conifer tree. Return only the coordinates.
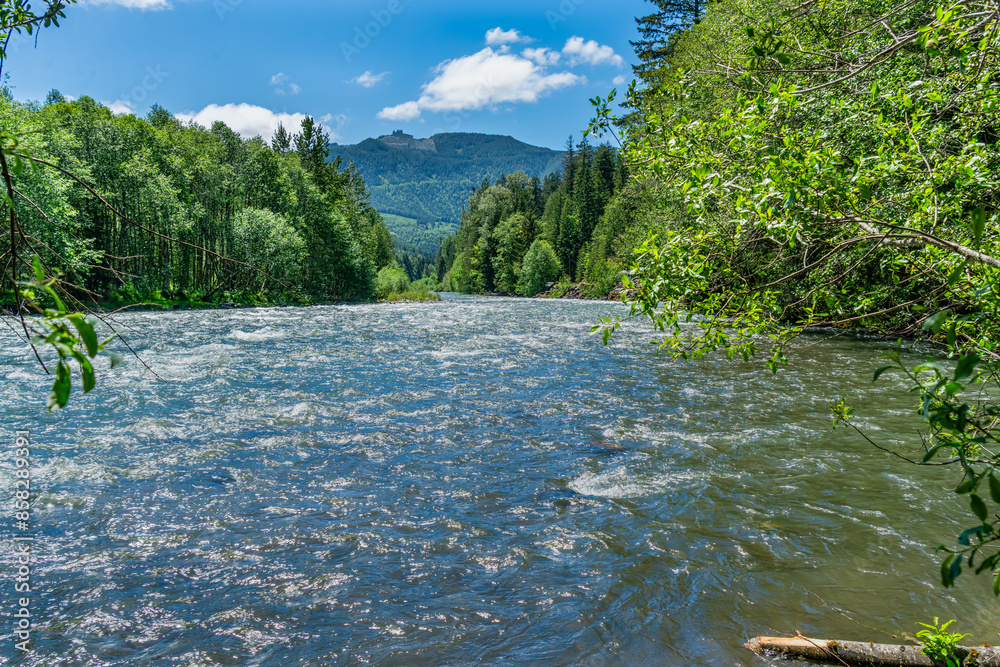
(313, 147)
(281, 142)
(657, 30)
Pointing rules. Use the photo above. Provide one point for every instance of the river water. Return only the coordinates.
(472, 481)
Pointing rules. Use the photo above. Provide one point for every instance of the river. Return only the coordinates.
(477, 480)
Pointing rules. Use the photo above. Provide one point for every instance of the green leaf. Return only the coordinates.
(966, 365)
(59, 394)
(116, 359)
(782, 58)
(935, 321)
(996, 584)
(963, 539)
(930, 366)
(988, 563)
(607, 335)
(37, 264)
(955, 275)
(967, 486)
(87, 371)
(880, 370)
(994, 488)
(87, 334)
(932, 451)
(55, 297)
(978, 223)
(978, 507)
(790, 200)
(947, 579)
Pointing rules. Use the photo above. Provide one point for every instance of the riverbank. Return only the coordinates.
(579, 291)
(409, 296)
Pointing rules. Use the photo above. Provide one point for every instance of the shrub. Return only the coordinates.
(540, 266)
(391, 280)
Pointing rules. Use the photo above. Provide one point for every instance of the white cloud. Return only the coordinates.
(619, 80)
(404, 111)
(151, 5)
(590, 53)
(498, 36)
(542, 56)
(294, 89)
(369, 80)
(484, 79)
(246, 119)
(118, 107)
(279, 79)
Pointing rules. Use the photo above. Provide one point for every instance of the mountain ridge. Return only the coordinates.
(428, 181)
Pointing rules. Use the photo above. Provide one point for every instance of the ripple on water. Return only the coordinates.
(476, 480)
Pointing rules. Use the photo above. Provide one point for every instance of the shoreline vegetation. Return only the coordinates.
(829, 164)
(119, 209)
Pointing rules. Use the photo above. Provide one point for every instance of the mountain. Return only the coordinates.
(421, 185)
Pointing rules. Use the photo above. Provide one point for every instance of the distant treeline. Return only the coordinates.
(520, 233)
(282, 208)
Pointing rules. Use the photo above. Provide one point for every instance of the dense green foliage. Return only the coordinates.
(188, 198)
(419, 238)
(429, 180)
(539, 267)
(391, 280)
(393, 284)
(832, 163)
(939, 644)
(568, 211)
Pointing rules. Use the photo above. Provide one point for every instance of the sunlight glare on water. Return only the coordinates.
(475, 480)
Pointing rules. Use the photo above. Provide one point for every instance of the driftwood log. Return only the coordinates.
(866, 653)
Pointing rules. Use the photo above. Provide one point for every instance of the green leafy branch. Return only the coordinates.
(70, 335)
(17, 16)
(966, 433)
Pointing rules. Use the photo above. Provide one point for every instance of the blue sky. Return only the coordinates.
(365, 67)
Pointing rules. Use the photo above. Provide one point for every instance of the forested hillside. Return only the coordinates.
(518, 233)
(182, 201)
(430, 180)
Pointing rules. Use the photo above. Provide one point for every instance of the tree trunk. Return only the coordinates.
(867, 653)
